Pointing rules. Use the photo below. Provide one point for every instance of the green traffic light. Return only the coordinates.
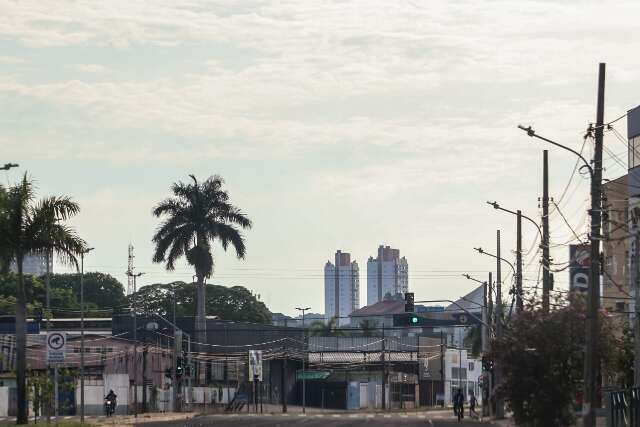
(414, 319)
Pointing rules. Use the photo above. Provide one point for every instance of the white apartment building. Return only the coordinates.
(341, 288)
(388, 274)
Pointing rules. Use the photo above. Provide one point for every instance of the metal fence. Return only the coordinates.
(624, 408)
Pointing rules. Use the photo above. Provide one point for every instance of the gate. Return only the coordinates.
(624, 408)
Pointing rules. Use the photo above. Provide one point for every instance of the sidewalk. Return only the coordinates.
(128, 420)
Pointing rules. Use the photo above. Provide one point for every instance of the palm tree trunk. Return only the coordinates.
(21, 346)
(201, 316)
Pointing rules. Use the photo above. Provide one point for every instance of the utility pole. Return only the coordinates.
(636, 320)
(545, 232)
(384, 373)
(130, 273)
(82, 254)
(145, 351)
(498, 376)
(284, 379)
(592, 357)
(490, 303)
(519, 294)
(442, 370)
(177, 352)
(304, 385)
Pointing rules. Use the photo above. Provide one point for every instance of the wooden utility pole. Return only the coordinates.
(546, 282)
(592, 356)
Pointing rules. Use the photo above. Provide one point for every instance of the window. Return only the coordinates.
(471, 366)
(619, 306)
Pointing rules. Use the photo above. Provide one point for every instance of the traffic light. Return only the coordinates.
(409, 306)
(487, 364)
(408, 319)
(179, 367)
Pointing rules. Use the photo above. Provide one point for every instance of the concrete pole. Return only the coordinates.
(499, 402)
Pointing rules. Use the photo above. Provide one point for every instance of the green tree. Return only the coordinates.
(196, 216)
(234, 303)
(101, 292)
(328, 329)
(25, 228)
(541, 359)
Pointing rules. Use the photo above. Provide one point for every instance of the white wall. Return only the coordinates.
(4, 401)
(119, 383)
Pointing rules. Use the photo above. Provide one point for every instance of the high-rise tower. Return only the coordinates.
(341, 287)
(388, 274)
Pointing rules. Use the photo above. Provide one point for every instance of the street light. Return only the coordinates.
(498, 207)
(82, 254)
(543, 244)
(135, 345)
(8, 166)
(304, 384)
(483, 252)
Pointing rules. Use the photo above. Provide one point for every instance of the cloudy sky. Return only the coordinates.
(336, 125)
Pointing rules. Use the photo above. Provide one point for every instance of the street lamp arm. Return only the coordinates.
(482, 251)
(532, 133)
(497, 206)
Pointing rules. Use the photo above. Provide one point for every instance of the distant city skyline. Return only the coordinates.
(334, 124)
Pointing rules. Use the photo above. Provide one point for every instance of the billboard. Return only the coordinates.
(579, 265)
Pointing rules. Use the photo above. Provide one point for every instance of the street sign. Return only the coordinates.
(579, 267)
(312, 375)
(255, 365)
(56, 343)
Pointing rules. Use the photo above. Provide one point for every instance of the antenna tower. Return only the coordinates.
(130, 271)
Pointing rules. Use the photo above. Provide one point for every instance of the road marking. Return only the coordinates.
(404, 416)
(430, 422)
(387, 416)
(335, 416)
(370, 415)
(302, 415)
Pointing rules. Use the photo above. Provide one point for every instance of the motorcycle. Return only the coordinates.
(109, 407)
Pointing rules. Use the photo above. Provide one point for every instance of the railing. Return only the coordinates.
(624, 408)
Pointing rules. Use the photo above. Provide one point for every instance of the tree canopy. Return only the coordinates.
(103, 294)
(541, 358)
(234, 303)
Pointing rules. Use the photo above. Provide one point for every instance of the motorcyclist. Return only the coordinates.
(110, 402)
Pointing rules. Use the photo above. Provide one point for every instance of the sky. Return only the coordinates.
(335, 124)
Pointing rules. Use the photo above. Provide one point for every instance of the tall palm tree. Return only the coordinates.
(197, 215)
(26, 228)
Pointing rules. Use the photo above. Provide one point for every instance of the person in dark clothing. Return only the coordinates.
(110, 402)
(458, 404)
(472, 404)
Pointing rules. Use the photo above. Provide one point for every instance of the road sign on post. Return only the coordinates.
(255, 365)
(56, 343)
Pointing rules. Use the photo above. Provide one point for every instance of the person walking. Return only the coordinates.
(458, 404)
(472, 405)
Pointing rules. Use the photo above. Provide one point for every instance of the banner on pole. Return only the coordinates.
(579, 267)
(255, 365)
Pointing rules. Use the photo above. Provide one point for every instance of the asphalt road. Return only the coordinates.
(322, 420)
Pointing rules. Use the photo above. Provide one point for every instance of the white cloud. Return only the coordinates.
(91, 68)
